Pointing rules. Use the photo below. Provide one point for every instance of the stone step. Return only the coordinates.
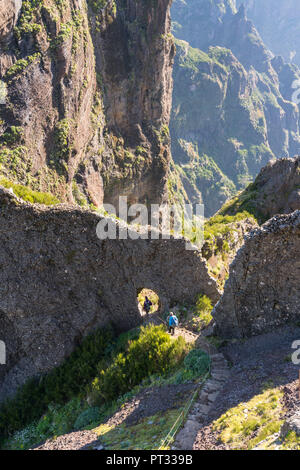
(221, 377)
(204, 403)
(204, 409)
(216, 357)
(212, 397)
(195, 417)
(211, 386)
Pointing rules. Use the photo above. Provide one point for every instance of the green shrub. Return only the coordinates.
(197, 362)
(59, 386)
(154, 352)
(20, 66)
(56, 421)
(59, 419)
(12, 136)
(26, 24)
(203, 309)
(87, 417)
(28, 194)
(66, 31)
(203, 304)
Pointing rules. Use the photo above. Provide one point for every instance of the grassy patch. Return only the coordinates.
(148, 434)
(247, 424)
(245, 202)
(221, 224)
(28, 195)
(291, 442)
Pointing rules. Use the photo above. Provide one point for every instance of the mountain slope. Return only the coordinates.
(278, 23)
(231, 106)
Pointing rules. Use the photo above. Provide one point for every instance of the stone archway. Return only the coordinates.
(154, 299)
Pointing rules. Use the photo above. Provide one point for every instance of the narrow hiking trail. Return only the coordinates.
(188, 335)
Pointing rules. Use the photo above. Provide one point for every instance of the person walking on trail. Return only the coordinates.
(173, 322)
(147, 305)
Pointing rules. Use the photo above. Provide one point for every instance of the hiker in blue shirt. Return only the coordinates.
(173, 322)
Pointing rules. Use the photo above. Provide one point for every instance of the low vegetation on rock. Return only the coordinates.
(71, 398)
(250, 423)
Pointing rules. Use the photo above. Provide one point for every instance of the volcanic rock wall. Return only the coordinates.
(59, 281)
(262, 291)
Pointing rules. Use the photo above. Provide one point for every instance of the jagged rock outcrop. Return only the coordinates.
(262, 291)
(276, 190)
(58, 282)
(277, 187)
(89, 95)
(232, 101)
(219, 249)
(9, 11)
(198, 20)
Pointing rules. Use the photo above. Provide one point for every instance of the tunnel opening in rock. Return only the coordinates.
(152, 307)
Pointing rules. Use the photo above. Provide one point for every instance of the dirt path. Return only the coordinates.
(188, 335)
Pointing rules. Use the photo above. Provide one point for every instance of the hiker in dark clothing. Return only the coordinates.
(147, 305)
(173, 322)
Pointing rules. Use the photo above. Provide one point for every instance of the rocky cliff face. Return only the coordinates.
(86, 117)
(262, 291)
(278, 23)
(232, 109)
(58, 282)
(274, 191)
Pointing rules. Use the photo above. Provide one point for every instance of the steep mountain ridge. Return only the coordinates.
(232, 102)
(276, 190)
(278, 24)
